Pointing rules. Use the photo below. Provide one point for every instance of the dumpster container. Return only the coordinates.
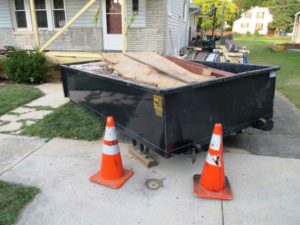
(173, 120)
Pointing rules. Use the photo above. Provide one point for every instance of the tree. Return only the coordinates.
(244, 5)
(283, 12)
(206, 21)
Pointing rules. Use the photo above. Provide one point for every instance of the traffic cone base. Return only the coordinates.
(116, 183)
(203, 192)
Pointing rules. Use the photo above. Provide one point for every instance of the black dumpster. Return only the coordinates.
(173, 120)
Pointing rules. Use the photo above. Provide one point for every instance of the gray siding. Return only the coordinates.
(148, 32)
(77, 38)
(85, 20)
(151, 37)
(140, 19)
(5, 20)
(176, 33)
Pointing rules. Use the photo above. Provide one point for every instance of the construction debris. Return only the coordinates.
(146, 68)
(230, 52)
(166, 66)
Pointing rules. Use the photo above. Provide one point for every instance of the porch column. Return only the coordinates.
(34, 25)
(124, 26)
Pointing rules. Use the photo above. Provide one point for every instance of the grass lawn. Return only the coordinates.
(288, 79)
(68, 121)
(13, 198)
(13, 95)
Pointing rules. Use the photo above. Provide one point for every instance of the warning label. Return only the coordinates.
(158, 105)
(213, 160)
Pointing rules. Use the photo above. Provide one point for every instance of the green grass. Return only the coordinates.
(13, 198)
(68, 121)
(288, 79)
(12, 96)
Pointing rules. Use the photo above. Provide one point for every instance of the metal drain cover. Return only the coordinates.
(154, 184)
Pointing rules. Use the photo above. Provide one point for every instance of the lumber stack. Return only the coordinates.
(152, 69)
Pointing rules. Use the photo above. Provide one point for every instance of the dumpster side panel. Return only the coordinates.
(133, 109)
(236, 104)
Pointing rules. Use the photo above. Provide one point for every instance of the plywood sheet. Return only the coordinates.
(166, 66)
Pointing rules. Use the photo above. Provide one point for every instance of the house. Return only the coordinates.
(296, 29)
(150, 25)
(255, 19)
(195, 12)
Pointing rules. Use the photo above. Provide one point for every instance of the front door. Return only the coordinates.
(112, 24)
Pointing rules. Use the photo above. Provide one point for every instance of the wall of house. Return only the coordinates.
(5, 21)
(82, 35)
(177, 28)
(237, 25)
(146, 33)
(193, 25)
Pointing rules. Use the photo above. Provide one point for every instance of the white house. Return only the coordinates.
(255, 19)
(296, 29)
(158, 25)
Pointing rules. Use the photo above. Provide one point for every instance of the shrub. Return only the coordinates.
(248, 34)
(237, 35)
(256, 34)
(26, 66)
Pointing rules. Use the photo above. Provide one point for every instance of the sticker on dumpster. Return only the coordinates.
(213, 160)
(158, 105)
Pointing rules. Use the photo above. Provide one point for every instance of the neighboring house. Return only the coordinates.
(159, 25)
(255, 19)
(296, 29)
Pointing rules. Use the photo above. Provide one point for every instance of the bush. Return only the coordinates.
(237, 35)
(26, 66)
(248, 34)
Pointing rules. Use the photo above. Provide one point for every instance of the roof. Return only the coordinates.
(194, 9)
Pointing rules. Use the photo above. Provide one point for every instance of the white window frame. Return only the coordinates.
(49, 16)
(49, 12)
(52, 13)
(27, 15)
(170, 7)
(260, 15)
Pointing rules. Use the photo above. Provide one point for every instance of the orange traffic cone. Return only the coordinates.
(112, 174)
(213, 183)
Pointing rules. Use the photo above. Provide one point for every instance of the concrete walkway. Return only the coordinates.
(266, 189)
(282, 141)
(28, 114)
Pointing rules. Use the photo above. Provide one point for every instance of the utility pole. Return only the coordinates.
(214, 10)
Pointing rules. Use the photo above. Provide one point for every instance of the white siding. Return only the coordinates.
(85, 20)
(140, 19)
(178, 28)
(268, 18)
(5, 19)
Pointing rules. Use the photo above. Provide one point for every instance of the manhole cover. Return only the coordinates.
(153, 184)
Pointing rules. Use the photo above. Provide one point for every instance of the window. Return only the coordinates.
(248, 15)
(20, 13)
(114, 16)
(59, 13)
(244, 25)
(41, 13)
(169, 7)
(260, 15)
(259, 26)
(49, 14)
